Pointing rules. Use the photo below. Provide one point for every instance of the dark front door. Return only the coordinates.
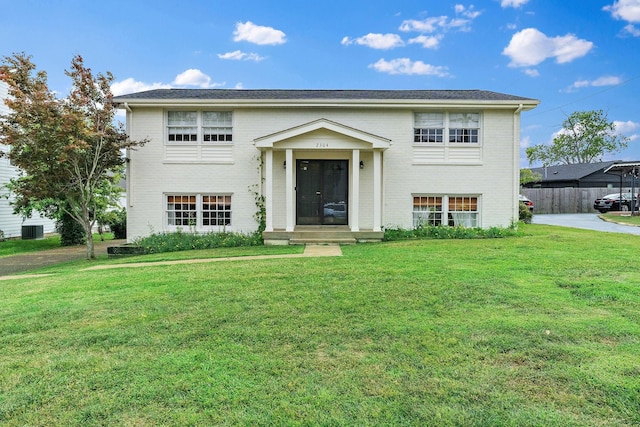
(322, 192)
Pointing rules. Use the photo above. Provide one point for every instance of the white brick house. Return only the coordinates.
(324, 160)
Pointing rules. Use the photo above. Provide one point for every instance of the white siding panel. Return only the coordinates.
(184, 153)
(217, 153)
(423, 155)
(465, 154)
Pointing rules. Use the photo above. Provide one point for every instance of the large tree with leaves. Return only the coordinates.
(586, 136)
(66, 149)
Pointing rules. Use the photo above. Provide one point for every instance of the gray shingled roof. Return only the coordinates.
(287, 94)
(570, 172)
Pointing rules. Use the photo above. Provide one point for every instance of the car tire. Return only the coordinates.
(624, 208)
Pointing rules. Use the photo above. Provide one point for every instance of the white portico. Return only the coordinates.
(329, 173)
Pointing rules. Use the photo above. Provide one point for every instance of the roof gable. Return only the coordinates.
(272, 140)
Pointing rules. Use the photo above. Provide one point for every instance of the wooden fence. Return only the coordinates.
(565, 200)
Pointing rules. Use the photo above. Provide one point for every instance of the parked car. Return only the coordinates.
(611, 202)
(526, 201)
(336, 210)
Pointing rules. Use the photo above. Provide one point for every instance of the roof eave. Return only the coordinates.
(526, 105)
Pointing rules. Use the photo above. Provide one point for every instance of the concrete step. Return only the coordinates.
(322, 241)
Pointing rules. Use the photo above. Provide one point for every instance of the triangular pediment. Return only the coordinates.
(348, 136)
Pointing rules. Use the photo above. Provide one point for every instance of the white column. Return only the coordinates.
(354, 204)
(268, 190)
(377, 190)
(289, 189)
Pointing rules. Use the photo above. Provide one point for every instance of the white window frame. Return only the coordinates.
(428, 130)
(458, 209)
(215, 132)
(200, 213)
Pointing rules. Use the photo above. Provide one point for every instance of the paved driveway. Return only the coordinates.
(586, 221)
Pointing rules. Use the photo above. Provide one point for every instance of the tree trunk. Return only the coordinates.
(90, 249)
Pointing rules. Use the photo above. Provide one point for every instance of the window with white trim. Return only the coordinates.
(216, 210)
(446, 128)
(428, 127)
(464, 128)
(216, 126)
(182, 126)
(455, 211)
(198, 210)
(199, 126)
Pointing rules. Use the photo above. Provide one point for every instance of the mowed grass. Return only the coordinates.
(538, 330)
(16, 246)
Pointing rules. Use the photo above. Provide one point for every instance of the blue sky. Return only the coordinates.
(572, 55)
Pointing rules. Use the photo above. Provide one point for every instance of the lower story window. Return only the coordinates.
(216, 210)
(198, 210)
(181, 210)
(455, 211)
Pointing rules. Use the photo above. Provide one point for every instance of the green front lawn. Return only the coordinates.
(623, 219)
(538, 330)
(11, 247)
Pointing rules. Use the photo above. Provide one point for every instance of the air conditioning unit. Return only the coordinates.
(31, 232)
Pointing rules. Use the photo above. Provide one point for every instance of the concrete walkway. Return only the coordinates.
(591, 221)
(41, 259)
(309, 251)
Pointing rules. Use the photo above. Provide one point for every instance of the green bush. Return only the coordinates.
(188, 240)
(447, 232)
(525, 213)
(117, 222)
(71, 233)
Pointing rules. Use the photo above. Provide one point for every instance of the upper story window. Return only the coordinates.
(464, 127)
(438, 128)
(216, 126)
(183, 126)
(199, 126)
(428, 127)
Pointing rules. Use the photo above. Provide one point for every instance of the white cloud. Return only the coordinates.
(530, 47)
(408, 67)
(600, 81)
(131, 85)
(626, 127)
(626, 10)
(468, 12)
(525, 141)
(532, 72)
(195, 77)
(428, 42)
(607, 81)
(429, 25)
(513, 3)
(631, 29)
(238, 55)
(442, 23)
(258, 34)
(376, 41)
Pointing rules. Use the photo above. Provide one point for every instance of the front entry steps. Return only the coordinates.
(320, 235)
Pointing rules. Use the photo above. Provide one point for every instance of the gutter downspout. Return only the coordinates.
(129, 123)
(516, 162)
